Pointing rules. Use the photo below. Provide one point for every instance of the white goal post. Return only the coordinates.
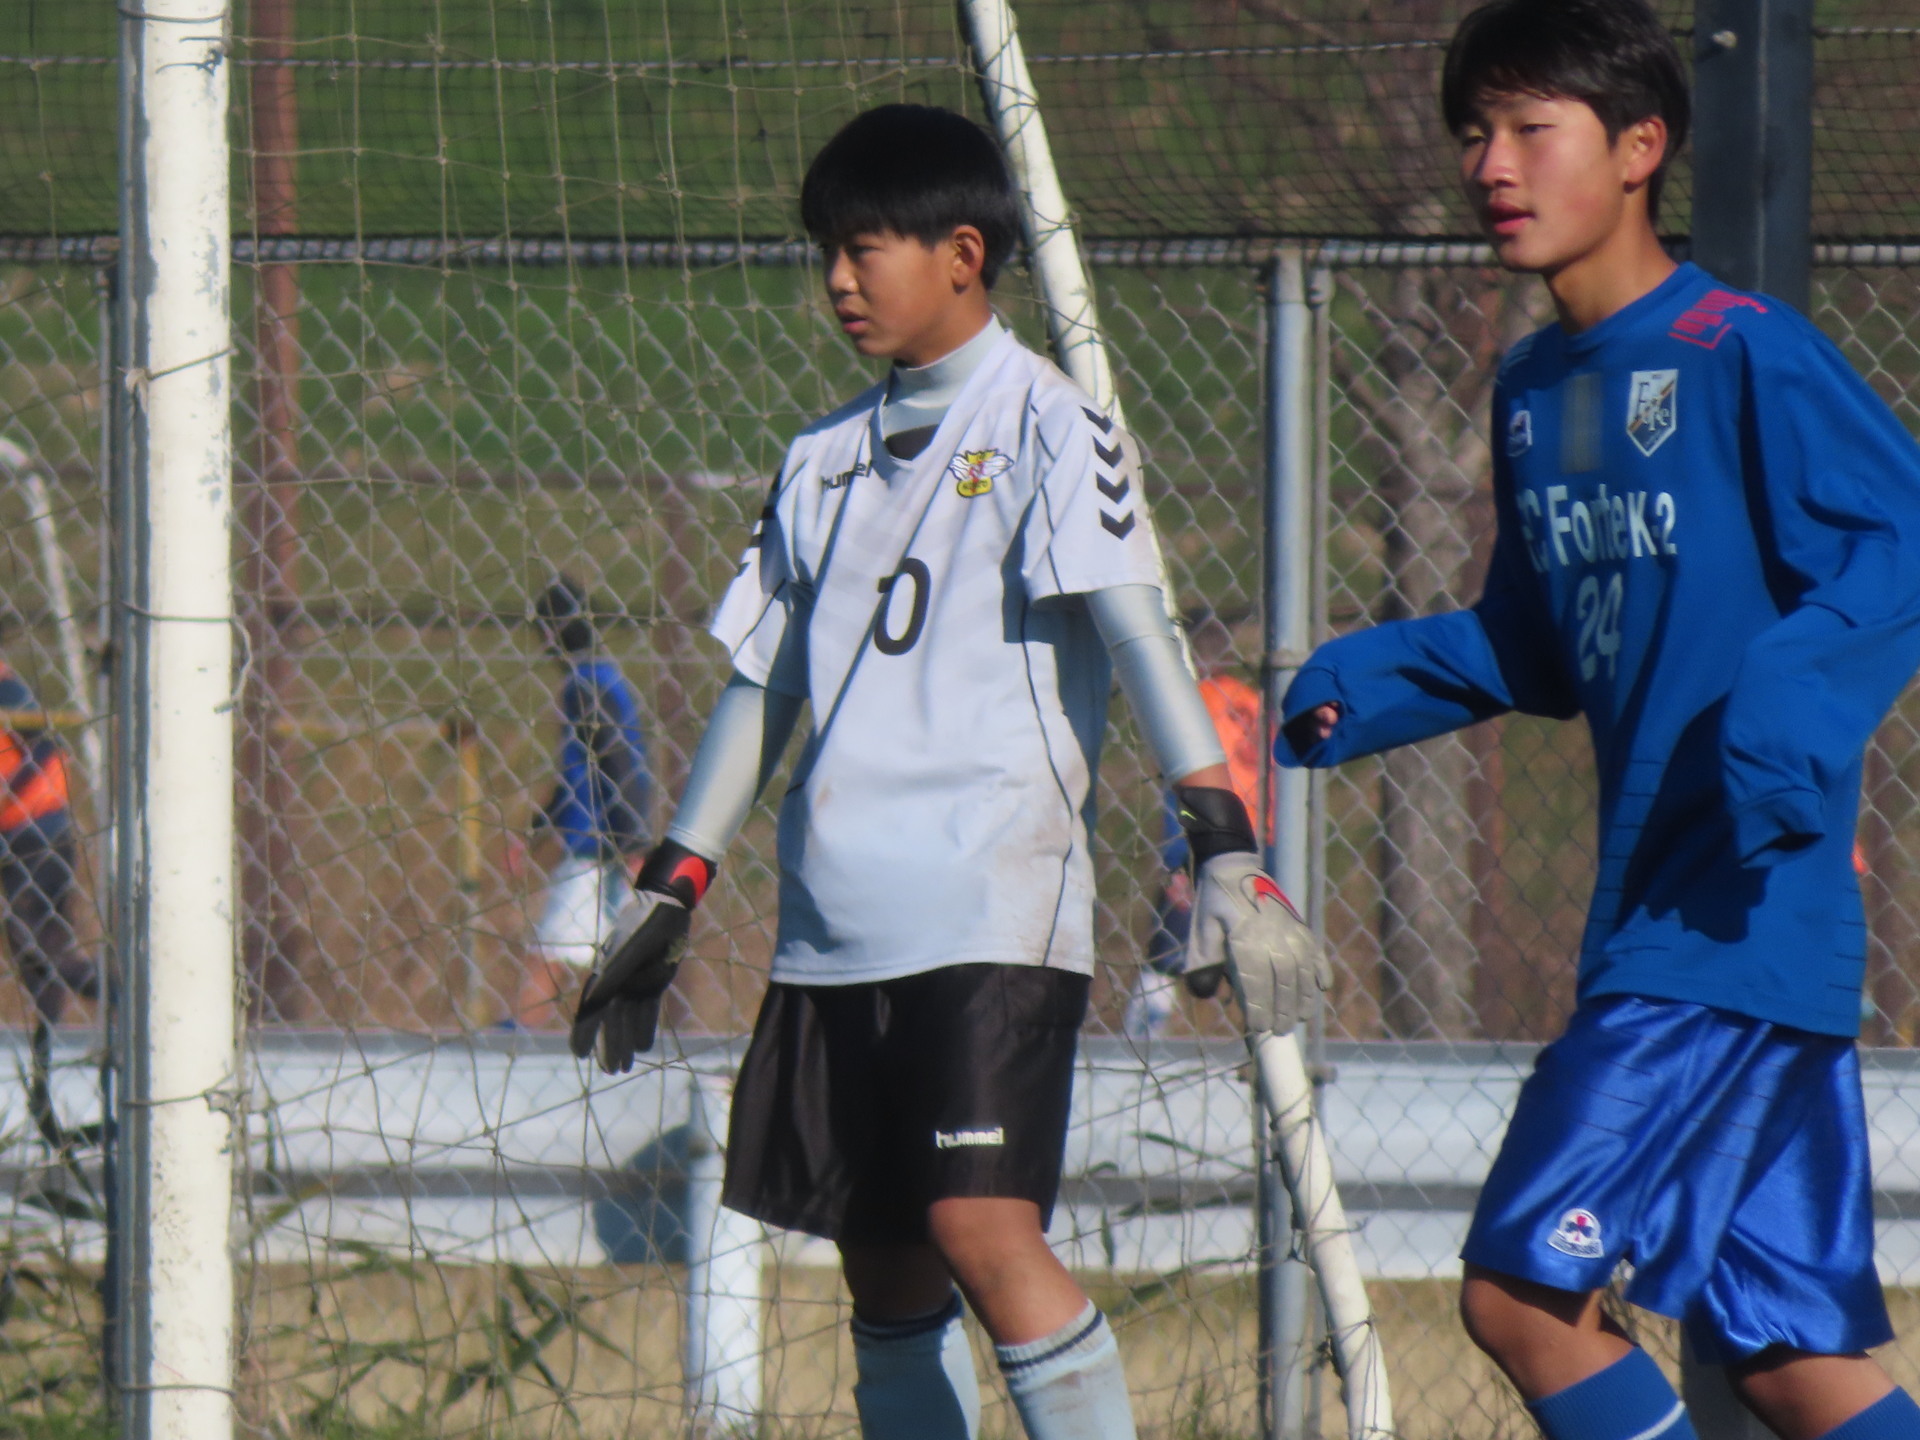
(175, 1024)
(1073, 326)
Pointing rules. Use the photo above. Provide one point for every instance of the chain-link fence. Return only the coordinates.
(452, 1228)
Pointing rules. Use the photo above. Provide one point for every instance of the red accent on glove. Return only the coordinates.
(672, 869)
(696, 872)
(1264, 888)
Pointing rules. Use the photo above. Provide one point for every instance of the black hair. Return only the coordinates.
(916, 171)
(562, 608)
(1612, 55)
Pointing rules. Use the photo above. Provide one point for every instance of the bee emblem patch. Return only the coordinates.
(975, 470)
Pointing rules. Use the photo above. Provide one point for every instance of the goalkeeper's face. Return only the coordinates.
(898, 298)
(1550, 187)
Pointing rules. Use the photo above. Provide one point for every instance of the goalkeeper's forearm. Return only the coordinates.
(744, 740)
(1139, 635)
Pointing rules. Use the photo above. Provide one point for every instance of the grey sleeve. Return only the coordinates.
(1152, 669)
(744, 740)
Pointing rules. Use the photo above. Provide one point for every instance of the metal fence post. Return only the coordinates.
(1753, 144)
(175, 1028)
(1752, 227)
(1314, 902)
(1288, 586)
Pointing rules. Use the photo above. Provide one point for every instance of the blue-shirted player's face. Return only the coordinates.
(899, 298)
(1547, 185)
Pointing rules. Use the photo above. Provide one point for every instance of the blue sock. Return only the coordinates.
(1069, 1385)
(915, 1378)
(1629, 1400)
(1893, 1416)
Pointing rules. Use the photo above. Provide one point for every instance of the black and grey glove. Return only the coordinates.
(619, 1012)
(1244, 927)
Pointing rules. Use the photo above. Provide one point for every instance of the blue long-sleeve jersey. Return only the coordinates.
(599, 807)
(1709, 545)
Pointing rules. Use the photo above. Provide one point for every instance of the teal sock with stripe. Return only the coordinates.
(1069, 1385)
(1629, 1400)
(914, 1378)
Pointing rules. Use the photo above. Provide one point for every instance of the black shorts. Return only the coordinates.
(858, 1106)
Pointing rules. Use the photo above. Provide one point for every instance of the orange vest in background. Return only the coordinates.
(32, 786)
(33, 767)
(1235, 708)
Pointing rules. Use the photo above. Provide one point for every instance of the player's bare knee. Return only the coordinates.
(1799, 1393)
(984, 1234)
(1494, 1320)
(1513, 1320)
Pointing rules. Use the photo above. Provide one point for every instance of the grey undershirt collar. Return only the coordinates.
(919, 396)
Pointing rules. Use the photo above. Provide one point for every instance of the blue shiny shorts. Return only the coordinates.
(1725, 1157)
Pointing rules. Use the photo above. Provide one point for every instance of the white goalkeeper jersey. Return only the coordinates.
(940, 810)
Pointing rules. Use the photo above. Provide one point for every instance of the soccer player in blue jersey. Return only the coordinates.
(1709, 546)
(599, 810)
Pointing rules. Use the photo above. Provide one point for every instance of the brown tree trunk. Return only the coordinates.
(274, 943)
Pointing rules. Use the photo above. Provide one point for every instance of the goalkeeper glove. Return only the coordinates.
(619, 1012)
(1243, 925)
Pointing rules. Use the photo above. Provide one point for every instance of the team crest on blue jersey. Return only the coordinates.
(1520, 433)
(976, 469)
(1578, 1233)
(1653, 411)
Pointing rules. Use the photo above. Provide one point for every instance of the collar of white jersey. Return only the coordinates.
(940, 449)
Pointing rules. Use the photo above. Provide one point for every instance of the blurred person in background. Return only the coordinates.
(36, 855)
(1234, 706)
(598, 811)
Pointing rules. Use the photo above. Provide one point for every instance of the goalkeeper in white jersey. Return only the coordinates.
(949, 573)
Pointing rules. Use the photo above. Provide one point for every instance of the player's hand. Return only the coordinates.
(619, 1012)
(1179, 890)
(1246, 929)
(1310, 727)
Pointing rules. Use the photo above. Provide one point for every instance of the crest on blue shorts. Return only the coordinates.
(1653, 408)
(1577, 1234)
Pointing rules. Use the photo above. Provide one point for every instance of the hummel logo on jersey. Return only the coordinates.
(1115, 487)
(1653, 408)
(975, 470)
(1519, 433)
(956, 1139)
(1577, 1234)
(846, 477)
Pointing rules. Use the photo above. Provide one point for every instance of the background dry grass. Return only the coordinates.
(400, 1341)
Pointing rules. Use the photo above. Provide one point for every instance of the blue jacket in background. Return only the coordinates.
(1709, 545)
(605, 794)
